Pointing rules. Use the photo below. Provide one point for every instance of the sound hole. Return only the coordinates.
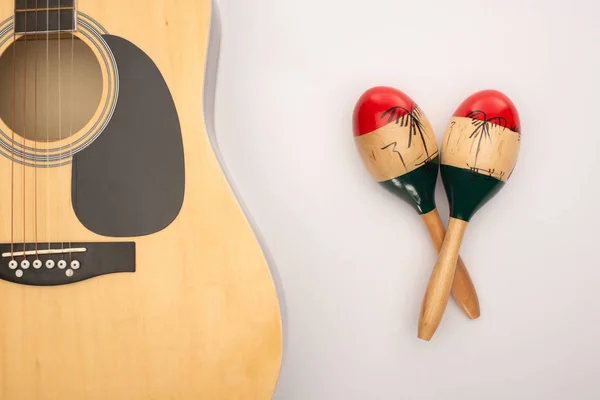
(57, 86)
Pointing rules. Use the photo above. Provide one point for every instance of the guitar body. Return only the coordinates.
(152, 284)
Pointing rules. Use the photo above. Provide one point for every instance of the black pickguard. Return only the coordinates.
(131, 180)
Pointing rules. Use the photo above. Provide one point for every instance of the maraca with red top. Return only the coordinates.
(479, 153)
(398, 147)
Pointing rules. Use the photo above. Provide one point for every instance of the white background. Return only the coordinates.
(352, 261)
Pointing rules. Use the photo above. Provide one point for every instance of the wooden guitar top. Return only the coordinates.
(171, 296)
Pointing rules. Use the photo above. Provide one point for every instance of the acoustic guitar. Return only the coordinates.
(128, 268)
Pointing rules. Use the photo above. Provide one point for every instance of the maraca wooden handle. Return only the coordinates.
(441, 280)
(463, 290)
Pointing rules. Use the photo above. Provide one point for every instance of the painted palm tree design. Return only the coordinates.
(482, 130)
(412, 119)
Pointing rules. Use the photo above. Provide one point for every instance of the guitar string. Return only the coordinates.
(71, 113)
(48, 236)
(24, 133)
(35, 139)
(62, 245)
(12, 154)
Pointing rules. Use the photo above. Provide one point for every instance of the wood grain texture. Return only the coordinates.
(200, 318)
(440, 282)
(463, 290)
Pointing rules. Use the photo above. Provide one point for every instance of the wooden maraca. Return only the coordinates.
(398, 146)
(479, 153)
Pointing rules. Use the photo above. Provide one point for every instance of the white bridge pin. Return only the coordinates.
(75, 265)
(37, 264)
(62, 264)
(49, 264)
(69, 273)
(19, 273)
(13, 264)
(25, 264)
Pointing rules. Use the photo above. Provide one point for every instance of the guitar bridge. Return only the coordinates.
(53, 264)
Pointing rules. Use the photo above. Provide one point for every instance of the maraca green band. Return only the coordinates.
(467, 191)
(417, 187)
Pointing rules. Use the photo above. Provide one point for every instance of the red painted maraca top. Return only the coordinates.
(372, 106)
(491, 106)
(484, 136)
(392, 134)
